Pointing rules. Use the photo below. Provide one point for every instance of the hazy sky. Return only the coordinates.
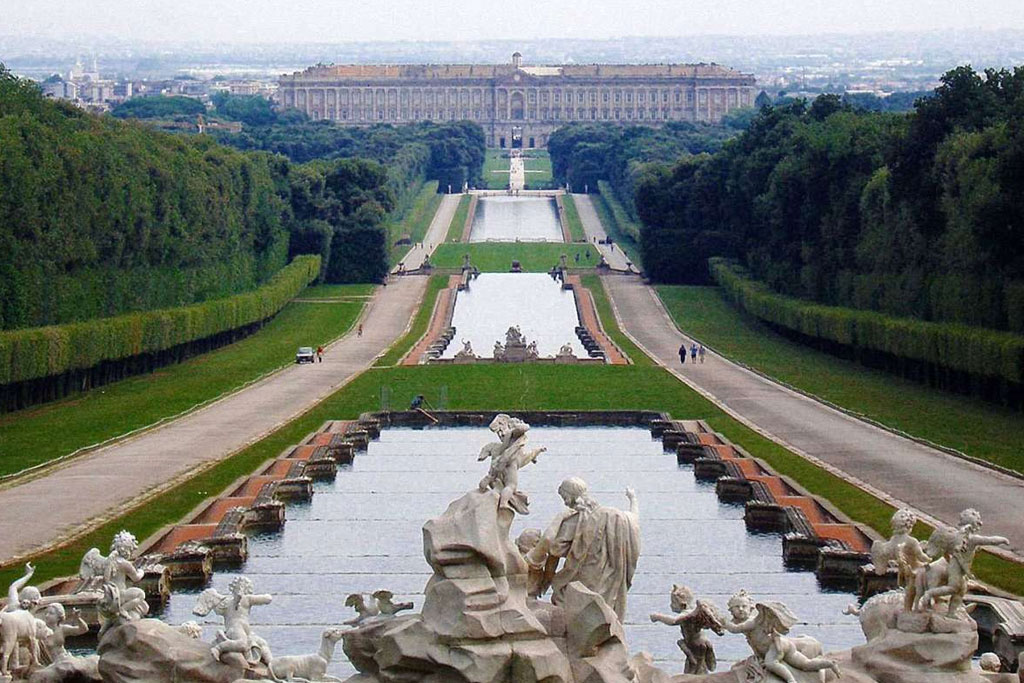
(355, 20)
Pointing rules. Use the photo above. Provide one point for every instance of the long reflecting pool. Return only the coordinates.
(544, 312)
(507, 219)
(362, 532)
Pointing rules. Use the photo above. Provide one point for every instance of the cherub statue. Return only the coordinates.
(901, 549)
(364, 605)
(765, 626)
(499, 351)
(61, 628)
(950, 574)
(18, 623)
(531, 350)
(236, 637)
(538, 579)
(692, 616)
(507, 457)
(118, 569)
(565, 351)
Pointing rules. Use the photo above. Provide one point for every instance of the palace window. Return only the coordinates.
(604, 97)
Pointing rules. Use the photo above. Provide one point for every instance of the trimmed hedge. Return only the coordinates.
(975, 351)
(39, 352)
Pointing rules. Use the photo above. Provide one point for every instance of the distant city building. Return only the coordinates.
(518, 105)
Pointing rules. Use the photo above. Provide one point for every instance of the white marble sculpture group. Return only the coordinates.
(485, 618)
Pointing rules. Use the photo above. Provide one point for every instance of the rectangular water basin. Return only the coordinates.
(362, 532)
(535, 302)
(516, 219)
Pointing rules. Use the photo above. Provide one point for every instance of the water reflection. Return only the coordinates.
(544, 312)
(363, 532)
(507, 219)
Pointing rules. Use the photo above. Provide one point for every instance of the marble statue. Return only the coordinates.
(948, 575)
(499, 351)
(237, 637)
(900, 550)
(766, 626)
(990, 662)
(466, 352)
(311, 667)
(507, 457)
(599, 545)
(513, 336)
(565, 351)
(118, 569)
(364, 605)
(385, 605)
(531, 351)
(538, 579)
(61, 665)
(18, 625)
(692, 616)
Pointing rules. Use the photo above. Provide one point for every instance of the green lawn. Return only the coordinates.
(415, 222)
(496, 169)
(492, 257)
(37, 435)
(337, 291)
(501, 387)
(979, 429)
(419, 324)
(611, 226)
(459, 220)
(572, 217)
(537, 164)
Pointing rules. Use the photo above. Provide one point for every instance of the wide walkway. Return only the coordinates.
(931, 481)
(65, 501)
(592, 227)
(436, 234)
(935, 483)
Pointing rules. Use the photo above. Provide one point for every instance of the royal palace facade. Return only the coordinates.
(517, 105)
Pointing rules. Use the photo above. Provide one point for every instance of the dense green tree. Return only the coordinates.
(158, 107)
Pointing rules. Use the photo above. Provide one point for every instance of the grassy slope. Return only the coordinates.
(492, 257)
(979, 429)
(611, 227)
(572, 217)
(505, 387)
(496, 169)
(337, 291)
(419, 324)
(29, 437)
(604, 310)
(416, 221)
(458, 220)
(537, 164)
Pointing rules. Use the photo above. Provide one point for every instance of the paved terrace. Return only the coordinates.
(42, 511)
(903, 471)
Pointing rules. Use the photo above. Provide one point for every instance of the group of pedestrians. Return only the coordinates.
(697, 353)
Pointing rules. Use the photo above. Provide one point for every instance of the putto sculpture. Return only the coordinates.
(693, 616)
(900, 550)
(117, 568)
(948, 575)
(236, 639)
(599, 545)
(507, 457)
(19, 625)
(766, 627)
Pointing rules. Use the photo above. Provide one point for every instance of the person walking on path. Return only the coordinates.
(320, 354)
(682, 353)
(693, 352)
(701, 352)
(359, 332)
